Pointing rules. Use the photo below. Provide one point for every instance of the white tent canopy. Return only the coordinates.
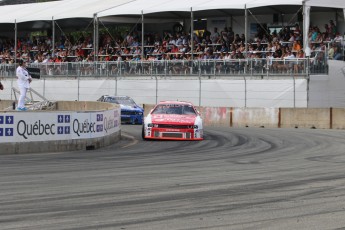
(87, 8)
(13, 13)
(340, 4)
(56, 10)
(153, 6)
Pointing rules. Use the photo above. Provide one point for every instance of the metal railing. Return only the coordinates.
(211, 67)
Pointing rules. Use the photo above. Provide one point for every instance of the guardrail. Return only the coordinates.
(208, 67)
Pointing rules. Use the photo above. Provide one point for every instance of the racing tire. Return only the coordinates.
(143, 134)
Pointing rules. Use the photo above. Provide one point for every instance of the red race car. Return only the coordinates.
(173, 120)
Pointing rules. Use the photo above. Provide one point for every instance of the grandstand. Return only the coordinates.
(158, 42)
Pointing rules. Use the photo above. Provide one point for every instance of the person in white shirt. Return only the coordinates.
(23, 79)
(338, 38)
(45, 58)
(290, 59)
(215, 36)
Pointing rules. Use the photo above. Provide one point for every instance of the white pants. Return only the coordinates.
(21, 101)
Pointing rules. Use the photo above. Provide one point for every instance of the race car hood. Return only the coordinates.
(131, 108)
(173, 119)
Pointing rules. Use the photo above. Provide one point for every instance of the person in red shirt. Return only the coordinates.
(80, 52)
(174, 49)
(109, 58)
(58, 59)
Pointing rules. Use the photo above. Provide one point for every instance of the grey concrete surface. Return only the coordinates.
(237, 178)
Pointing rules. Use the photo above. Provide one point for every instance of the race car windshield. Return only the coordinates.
(174, 109)
(122, 101)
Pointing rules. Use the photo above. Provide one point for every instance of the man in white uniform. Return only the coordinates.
(24, 80)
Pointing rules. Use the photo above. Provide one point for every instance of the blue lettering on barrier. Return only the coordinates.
(1, 119)
(9, 132)
(9, 120)
(1, 132)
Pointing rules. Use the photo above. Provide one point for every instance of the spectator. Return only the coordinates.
(215, 36)
(331, 52)
(297, 32)
(299, 65)
(207, 40)
(338, 38)
(129, 38)
(174, 49)
(332, 28)
(243, 38)
(237, 39)
(328, 30)
(337, 53)
(292, 37)
(224, 49)
(296, 46)
(314, 34)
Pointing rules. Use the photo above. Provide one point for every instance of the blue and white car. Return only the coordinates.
(131, 113)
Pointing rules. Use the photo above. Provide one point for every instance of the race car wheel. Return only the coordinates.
(143, 133)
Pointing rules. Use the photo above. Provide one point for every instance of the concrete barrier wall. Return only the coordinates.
(338, 118)
(305, 118)
(4, 104)
(68, 105)
(324, 118)
(255, 117)
(147, 109)
(71, 126)
(215, 116)
(83, 105)
(59, 146)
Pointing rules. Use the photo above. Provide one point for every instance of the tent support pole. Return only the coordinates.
(15, 53)
(192, 32)
(306, 22)
(15, 41)
(53, 37)
(95, 37)
(245, 29)
(142, 36)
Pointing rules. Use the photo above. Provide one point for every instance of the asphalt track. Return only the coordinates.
(234, 179)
